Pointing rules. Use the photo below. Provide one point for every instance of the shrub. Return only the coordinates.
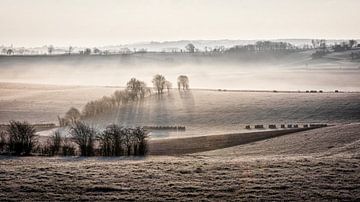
(83, 135)
(105, 143)
(111, 141)
(63, 122)
(22, 137)
(55, 143)
(118, 141)
(72, 115)
(43, 149)
(68, 148)
(3, 141)
(141, 143)
(128, 139)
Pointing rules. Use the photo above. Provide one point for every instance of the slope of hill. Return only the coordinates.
(270, 170)
(334, 140)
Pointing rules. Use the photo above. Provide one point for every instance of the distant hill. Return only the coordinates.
(202, 44)
(168, 46)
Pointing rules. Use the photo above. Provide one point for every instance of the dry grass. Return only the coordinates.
(265, 174)
(179, 178)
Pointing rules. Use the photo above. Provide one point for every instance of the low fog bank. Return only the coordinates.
(213, 112)
(291, 72)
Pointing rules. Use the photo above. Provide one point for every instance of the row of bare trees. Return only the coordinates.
(183, 82)
(160, 83)
(135, 90)
(20, 138)
(119, 141)
(113, 141)
(262, 46)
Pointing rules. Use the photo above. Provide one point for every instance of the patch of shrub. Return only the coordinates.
(22, 137)
(111, 141)
(140, 142)
(3, 141)
(84, 136)
(118, 141)
(68, 148)
(55, 143)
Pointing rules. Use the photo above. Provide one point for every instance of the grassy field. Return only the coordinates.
(203, 112)
(320, 164)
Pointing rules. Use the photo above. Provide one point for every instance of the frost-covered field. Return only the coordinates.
(42, 103)
(213, 112)
(320, 164)
(203, 112)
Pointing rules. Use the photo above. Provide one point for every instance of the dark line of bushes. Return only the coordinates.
(20, 138)
(119, 141)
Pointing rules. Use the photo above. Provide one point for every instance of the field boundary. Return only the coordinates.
(178, 146)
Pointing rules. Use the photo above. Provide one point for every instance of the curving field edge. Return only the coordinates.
(177, 146)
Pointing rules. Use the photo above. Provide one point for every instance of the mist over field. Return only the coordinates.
(168, 100)
(291, 72)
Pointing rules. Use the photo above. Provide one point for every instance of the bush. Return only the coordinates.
(141, 148)
(83, 135)
(68, 148)
(105, 143)
(118, 141)
(43, 149)
(22, 137)
(3, 141)
(55, 143)
(111, 141)
(128, 139)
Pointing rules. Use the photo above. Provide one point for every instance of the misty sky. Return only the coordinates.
(106, 22)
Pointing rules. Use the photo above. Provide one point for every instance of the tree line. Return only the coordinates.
(19, 138)
(257, 46)
(135, 90)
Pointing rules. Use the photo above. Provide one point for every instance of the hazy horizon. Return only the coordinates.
(98, 23)
(173, 41)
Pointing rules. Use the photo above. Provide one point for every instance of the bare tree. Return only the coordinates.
(72, 115)
(183, 82)
(87, 51)
(159, 83)
(168, 85)
(128, 139)
(84, 136)
(118, 97)
(10, 51)
(51, 49)
(140, 142)
(111, 140)
(352, 43)
(105, 143)
(190, 48)
(68, 148)
(96, 51)
(55, 142)
(3, 141)
(4, 51)
(22, 137)
(70, 49)
(137, 89)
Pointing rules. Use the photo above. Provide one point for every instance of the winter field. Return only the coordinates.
(319, 164)
(202, 112)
